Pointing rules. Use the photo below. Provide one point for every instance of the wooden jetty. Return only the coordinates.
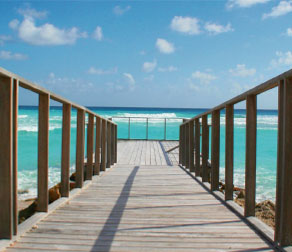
(134, 195)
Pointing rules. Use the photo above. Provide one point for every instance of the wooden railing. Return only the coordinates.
(190, 141)
(99, 157)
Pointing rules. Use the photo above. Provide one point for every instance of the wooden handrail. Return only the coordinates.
(283, 222)
(104, 149)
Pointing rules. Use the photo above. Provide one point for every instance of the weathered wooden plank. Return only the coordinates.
(103, 145)
(96, 168)
(205, 149)
(80, 148)
(65, 163)
(15, 155)
(250, 156)
(197, 147)
(90, 142)
(43, 153)
(6, 127)
(215, 155)
(229, 139)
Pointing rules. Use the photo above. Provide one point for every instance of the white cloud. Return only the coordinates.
(187, 25)
(7, 55)
(4, 38)
(167, 69)
(289, 32)
(203, 78)
(215, 29)
(149, 66)
(244, 3)
(283, 8)
(32, 13)
(47, 34)
(13, 24)
(164, 46)
(97, 34)
(98, 71)
(242, 71)
(131, 81)
(118, 10)
(149, 78)
(283, 59)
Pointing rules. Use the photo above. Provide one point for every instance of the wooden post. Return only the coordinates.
(283, 210)
(112, 144)
(6, 215)
(15, 160)
(108, 144)
(278, 205)
(250, 155)
(191, 146)
(184, 146)
(229, 139)
(187, 137)
(43, 153)
(96, 168)
(180, 145)
(116, 143)
(215, 155)
(205, 148)
(80, 148)
(197, 147)
(90, 136)
(65, 163)
(103, 146)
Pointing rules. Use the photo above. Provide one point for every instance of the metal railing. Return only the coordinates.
(190, 141)
(143, 122)
(100, 155)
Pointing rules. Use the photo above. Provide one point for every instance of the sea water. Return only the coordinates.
(162, 123)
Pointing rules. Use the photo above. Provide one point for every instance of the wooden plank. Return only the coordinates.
(15, 155)
(108, 144)
(215, 155)
(285, 229)
(250, 155)
(229, 139)
(96, 168)
(90, 142)
(197, 147)
(80, 148)
(205, 149)
(65, 162)
(191, 146)
(6, 127)
(103, 145)
(279, 182)
(43, 153)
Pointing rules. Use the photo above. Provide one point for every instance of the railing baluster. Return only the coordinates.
(43, 153)
(6, 217)
(197, 147)
(96, 168)
(164, 128)
(250, 155)
(187, 137)
(283, 210)
(80, 148)
(205, 148)
(184, 145)
(215, 146)
(65, 163)
(180, 145)
(90, 141)
(108, 144)
(229, 153)
(103, 146)
(116, 143)
(112, 144)
(15, 160)
(191, 146)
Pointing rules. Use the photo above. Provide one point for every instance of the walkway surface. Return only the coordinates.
(144, 203)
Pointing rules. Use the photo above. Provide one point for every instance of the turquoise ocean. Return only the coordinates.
(267, 122)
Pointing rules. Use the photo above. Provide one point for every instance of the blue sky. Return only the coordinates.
(147, 53)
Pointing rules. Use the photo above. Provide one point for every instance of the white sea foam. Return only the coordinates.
(22, 116)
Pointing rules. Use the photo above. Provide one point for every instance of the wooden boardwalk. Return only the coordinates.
(146, 202)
